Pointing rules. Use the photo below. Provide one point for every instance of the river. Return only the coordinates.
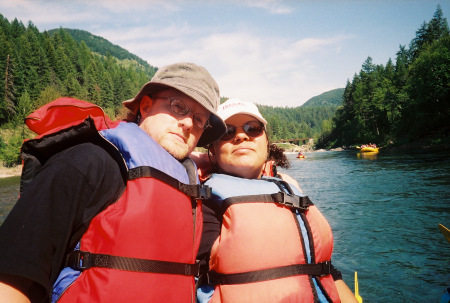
(384, 211)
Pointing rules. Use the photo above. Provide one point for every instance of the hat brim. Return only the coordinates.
(260, 119)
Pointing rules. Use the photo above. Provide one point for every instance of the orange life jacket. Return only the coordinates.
(274, 245)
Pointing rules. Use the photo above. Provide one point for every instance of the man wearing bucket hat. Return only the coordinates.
(115, 214)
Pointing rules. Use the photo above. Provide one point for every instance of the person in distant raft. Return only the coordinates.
(114, 215)
(263, 240)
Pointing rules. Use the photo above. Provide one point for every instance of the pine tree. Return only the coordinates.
(7, 108)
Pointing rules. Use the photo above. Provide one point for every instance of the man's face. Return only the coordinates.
(175, 133)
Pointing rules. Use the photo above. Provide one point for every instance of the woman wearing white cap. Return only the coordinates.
(265, 240)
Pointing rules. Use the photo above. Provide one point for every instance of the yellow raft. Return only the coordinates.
(368, 149)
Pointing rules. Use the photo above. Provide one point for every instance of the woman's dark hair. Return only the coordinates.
(276, 154)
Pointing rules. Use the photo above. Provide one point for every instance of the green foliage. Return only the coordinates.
(104, 47)
(330, 98)
(36, 68)
(24, 108)
(398, 102)
(10, 150)
(299, 122)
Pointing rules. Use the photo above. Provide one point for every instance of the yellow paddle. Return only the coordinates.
(445, 231)
(358, 297)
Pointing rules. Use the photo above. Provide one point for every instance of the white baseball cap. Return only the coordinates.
(234, 106)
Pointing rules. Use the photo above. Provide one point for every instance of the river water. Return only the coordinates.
(384, 211)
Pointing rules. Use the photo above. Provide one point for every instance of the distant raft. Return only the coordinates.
(301, 156)
(368, 149)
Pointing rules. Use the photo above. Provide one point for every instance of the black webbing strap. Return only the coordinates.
(291, 201)
(320, 269)
(196, 191)
(82, 260)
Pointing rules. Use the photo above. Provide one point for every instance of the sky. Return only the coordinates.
(271, 52)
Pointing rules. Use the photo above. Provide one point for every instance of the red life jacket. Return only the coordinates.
(143, 247)
(274, 245)
(64, 112)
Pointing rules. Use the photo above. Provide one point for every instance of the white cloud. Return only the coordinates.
(266, 70)
(253, 68)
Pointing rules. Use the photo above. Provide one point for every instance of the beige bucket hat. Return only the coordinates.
(194, 81)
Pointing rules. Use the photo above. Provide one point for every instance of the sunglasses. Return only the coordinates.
(252, 129)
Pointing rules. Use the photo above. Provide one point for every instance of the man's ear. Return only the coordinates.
(145, 105)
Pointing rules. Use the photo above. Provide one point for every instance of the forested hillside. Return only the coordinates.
(298, 122)
(330, 98)
(104, 47)
(303, 121)
(37, 68)
(402, 101)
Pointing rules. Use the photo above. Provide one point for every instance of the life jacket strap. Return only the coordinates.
(319, 269)
(289, 200)
(196, 191)
(82, 260)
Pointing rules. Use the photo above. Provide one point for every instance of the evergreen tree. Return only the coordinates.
(24, 108)
(7, 107)
(429, 32)
(428, 86)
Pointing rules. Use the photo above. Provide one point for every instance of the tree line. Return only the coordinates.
(293, 123)
(398, 102)
(37, 68)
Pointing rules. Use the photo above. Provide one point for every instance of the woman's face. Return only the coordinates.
(243, 155)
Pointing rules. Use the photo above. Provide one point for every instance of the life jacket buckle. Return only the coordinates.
(292, 201)
(78, 260)
(326, 268)
(204, 192)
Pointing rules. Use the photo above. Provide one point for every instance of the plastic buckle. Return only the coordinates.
(195, 269)
(79, 260)
(326, 268)
(204, 192)
(290, 200)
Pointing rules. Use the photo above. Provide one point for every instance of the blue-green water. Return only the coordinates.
(384, 212)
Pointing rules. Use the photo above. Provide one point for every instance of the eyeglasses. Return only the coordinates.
(179, 107)
(251, 128)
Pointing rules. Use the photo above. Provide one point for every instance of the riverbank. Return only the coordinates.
(289, 148)
(6, 172)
